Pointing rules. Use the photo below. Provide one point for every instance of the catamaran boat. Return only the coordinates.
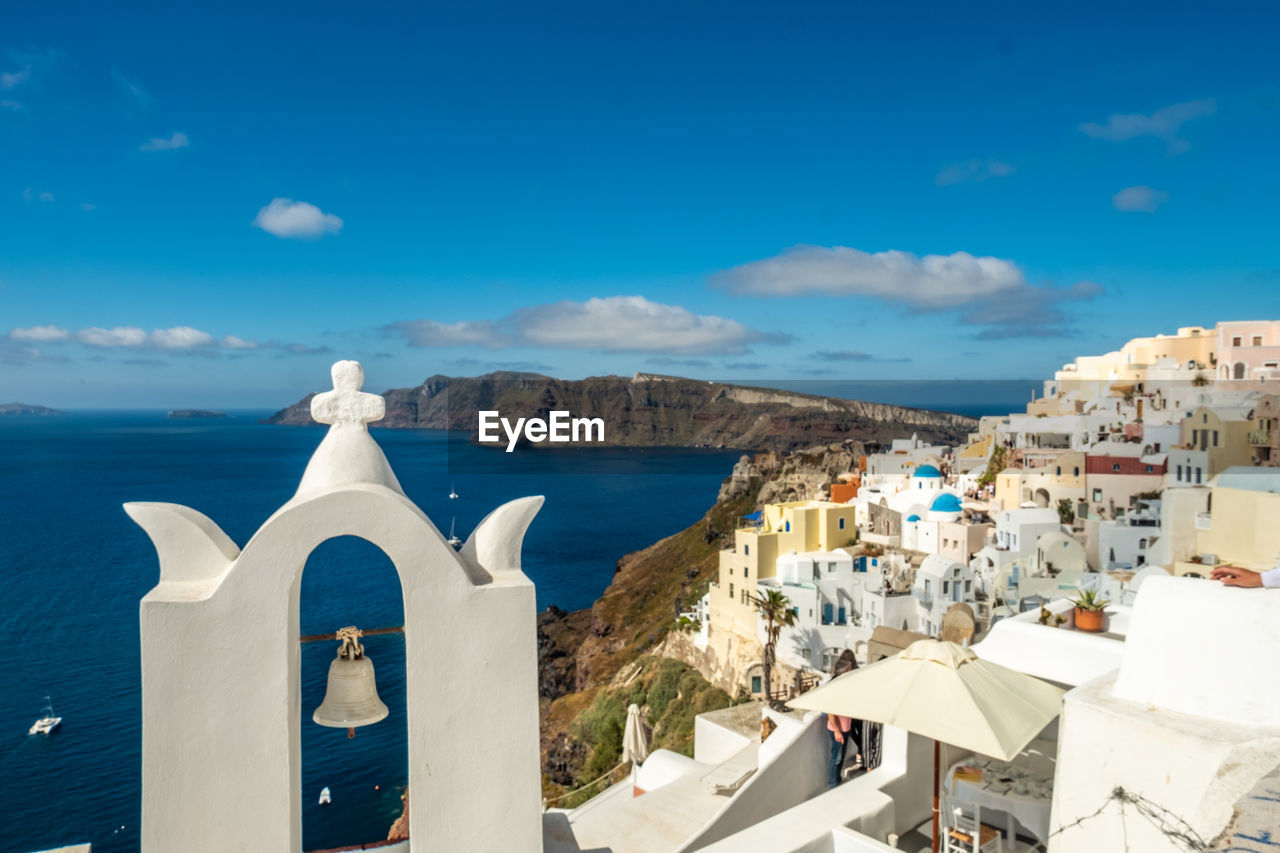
(324, 796)
(453, 537)
(47, 723)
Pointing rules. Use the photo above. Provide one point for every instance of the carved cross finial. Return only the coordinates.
(346, 403)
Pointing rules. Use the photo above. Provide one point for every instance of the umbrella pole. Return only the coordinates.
(936, 773)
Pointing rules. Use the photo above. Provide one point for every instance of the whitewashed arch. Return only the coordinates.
(220, 662)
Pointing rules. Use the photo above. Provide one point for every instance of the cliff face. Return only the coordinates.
(581, 652)
(649, 410)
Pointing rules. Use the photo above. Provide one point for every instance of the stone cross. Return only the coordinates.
(346, 404)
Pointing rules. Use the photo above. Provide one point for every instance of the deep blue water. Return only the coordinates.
(74, 568)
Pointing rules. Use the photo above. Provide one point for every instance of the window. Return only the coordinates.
(1205, 418)
(1097, 496)
(731, 590)
(841, 525)
(1257, 340)
(746, 550)
(968, 586)
(746, 571)
(1193, 435)
(946, 587)
(1179, 473)
(1059, 474)
(1197, 476)
(788, 527)
(1215, 438)
(1148, 469)
(1142, 544)
(831, 568)
(795, 611)
(1236, 341)
(1076, 472)
(1115, 466)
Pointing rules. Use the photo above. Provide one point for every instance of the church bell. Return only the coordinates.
(351, 697)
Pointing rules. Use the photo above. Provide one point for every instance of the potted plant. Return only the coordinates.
(1090, 610)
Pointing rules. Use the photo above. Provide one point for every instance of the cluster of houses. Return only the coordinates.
(1156, 459)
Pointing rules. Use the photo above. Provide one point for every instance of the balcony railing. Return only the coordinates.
(1203, 520)
(1260, 437)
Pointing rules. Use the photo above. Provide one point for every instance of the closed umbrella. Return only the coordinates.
(946, 692)
(635, 740)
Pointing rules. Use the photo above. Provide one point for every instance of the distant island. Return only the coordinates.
(27, 409)
(649, 410)
(196, 413)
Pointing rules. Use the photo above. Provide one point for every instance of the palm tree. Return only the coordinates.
(776, 610)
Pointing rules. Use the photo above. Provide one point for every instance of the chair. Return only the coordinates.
(963, 830)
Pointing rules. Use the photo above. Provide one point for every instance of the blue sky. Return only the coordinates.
(206, 204)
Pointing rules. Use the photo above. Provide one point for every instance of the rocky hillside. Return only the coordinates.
(650, 410)
(27, 409)
(581, 652)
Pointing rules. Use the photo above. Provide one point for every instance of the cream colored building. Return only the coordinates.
(1242, 524)
(1044, 485)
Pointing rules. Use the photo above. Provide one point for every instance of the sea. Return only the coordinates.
(74, 567)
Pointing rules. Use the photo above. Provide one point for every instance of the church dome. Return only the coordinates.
(927, 471)
(945, 502)
(913, 517)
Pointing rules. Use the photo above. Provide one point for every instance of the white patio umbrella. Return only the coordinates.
(946, 692)
(635, 739)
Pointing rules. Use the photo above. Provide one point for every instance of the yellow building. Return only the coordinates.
(1240, 527)
(1192, 345)
(1044, 485)
(798, 526)
(1222, 434)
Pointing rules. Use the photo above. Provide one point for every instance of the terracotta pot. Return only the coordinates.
(1090, 620)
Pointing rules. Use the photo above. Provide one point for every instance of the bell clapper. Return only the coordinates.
(351, 732)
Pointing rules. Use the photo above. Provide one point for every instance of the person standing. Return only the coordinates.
(842, 732)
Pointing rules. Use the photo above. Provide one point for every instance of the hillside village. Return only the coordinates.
(1030, 542)
(1106, 479)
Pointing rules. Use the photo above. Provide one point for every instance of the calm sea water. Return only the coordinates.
(74, 568)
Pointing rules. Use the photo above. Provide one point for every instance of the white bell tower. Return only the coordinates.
(221, 704)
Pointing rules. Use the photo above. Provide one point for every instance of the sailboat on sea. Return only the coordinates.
(46, 724)
(453, 536)
(453, 492)
(324, 796)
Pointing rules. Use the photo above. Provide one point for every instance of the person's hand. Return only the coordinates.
(839, 737)
(1236, 576)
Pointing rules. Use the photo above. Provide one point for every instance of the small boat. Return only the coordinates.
(453, 494)
(324, 796)
(453, 537)
(46, 724)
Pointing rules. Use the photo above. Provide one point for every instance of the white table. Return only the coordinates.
(1031, 809)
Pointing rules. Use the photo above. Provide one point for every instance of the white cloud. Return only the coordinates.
(132, 88)
(233, 342)
(430, 333)
(1164, 123)
(986, 291)
(973, 172)
(11, 79)
(29, 195)
(287, 218)
(932, 281)
(160, 143)
(41, 334)
(608, 324)
(181, 337)
(1139, 199)
(120, 336)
